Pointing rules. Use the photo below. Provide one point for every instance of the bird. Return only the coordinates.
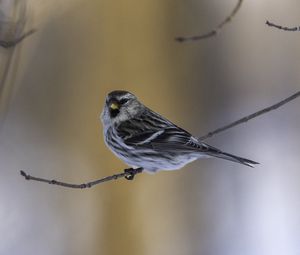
(145, 139)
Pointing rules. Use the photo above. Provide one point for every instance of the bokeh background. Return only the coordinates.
(53, 87)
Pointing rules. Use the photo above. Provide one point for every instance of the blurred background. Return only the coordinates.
(53, 87)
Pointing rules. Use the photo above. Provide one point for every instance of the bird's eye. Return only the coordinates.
(124, 101)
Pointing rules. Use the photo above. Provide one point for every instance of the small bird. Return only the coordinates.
(142, 138)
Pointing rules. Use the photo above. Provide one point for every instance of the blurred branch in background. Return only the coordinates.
(130, 173)
(13, 15)
(214, 31)
(270, 24)
(14, 42)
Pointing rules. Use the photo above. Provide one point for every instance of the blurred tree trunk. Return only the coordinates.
(13, 17)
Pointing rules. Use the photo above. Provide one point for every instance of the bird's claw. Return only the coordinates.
(129, 174)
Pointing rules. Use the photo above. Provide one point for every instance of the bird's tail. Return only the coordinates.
(227, 156)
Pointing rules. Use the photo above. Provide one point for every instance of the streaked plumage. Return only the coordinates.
(143, 138)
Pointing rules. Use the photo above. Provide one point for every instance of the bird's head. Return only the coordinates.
(120, 106)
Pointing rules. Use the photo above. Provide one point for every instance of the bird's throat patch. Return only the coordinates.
(113, 112)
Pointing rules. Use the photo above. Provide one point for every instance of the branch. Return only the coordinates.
(251, 116)
(127, 174)
(130, 173)
(9, 44)
(270, 24)
(214, 31)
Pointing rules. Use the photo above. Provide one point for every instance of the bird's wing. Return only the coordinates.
(164, 137)
(180, 140)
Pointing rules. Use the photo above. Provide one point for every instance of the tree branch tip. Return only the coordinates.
(280, 27)
(31, 31)
(26, 176)
(179, 39)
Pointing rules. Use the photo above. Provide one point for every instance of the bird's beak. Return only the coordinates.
(114, 106)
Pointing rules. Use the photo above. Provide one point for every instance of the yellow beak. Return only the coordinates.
(114, 106)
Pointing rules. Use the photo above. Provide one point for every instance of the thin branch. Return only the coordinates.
(270, 24)
(251, 116)
(214, 31)
(9, 44)
(128, 174)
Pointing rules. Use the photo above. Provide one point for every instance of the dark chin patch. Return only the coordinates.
(113, 113)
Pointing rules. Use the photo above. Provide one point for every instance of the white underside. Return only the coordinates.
(151, 166)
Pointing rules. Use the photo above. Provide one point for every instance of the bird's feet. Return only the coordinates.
(131, 172)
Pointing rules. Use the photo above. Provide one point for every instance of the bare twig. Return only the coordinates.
(214, 31)
(9, 44)
(270, 24)
(251, 116)
(128, 174)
